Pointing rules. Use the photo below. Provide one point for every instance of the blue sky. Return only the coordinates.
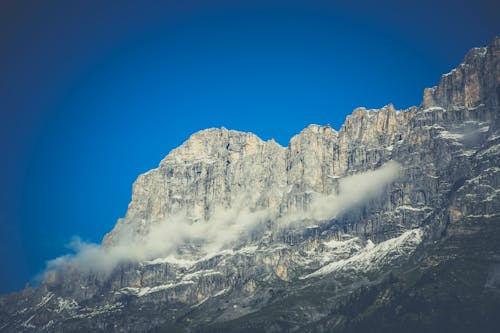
(92, 94)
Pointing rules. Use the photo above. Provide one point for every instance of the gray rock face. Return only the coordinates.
(448, 152)
(473, 82)
(217, 168)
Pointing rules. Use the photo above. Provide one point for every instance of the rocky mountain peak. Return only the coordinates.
(475, 81)
(215, 143)
(372, 125)
(312, 132)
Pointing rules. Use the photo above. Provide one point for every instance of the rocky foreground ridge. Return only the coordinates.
(391, 223)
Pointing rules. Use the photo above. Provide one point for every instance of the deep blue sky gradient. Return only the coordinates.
(93, 93)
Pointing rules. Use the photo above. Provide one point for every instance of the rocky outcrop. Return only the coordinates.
(219, 168)
(214, 168)
(475, 81)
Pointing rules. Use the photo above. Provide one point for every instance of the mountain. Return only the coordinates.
(390, 224)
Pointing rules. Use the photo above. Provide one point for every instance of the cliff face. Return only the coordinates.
(473, 82)
(220, 168)
(316, 248)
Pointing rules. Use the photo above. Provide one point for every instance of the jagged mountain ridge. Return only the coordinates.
(220, 168)
(448, 149)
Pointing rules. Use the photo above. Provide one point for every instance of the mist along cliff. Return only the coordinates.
(390, 224)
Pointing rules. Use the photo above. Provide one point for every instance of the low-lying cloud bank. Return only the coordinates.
(225, 228)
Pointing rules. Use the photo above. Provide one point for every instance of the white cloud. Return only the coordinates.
(353, 191)
(164, 238)
(224, 228)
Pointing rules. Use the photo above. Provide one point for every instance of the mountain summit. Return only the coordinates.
(390, 224)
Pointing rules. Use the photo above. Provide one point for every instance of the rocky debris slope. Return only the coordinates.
(294, 268)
